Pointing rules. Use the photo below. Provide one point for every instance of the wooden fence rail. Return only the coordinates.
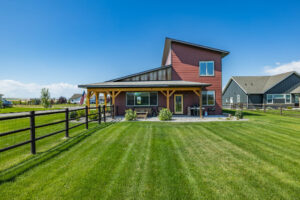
(101, 112)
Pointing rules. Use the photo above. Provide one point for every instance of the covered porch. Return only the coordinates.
(173, 95)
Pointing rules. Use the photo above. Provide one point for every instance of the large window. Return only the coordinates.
(141, 99)
(278, 98)
(208, 98)
(207, 68)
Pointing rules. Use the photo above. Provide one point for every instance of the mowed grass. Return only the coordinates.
(257, 159)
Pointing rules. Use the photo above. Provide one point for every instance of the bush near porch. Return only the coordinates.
(165, 114)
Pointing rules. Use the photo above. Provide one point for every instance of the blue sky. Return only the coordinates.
(60, 44)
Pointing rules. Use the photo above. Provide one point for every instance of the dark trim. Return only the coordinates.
(168, 42)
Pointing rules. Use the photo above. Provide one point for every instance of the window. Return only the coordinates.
(238, 98)
(278, 98)
(231, 100)
(226, 100)
(207, 68)
(208, 98)
(141, 99)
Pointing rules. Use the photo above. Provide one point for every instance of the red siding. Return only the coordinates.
(185, 63)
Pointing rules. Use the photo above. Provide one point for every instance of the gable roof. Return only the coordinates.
(75, 96)
(258, 84)
(139, 73)
(296, 90)
(168, 42)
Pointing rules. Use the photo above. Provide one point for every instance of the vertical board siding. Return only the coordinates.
(185, 63)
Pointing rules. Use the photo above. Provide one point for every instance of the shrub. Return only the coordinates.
(289, 107)
(45, 98)
(239, 114)
(1, 104)
(165, 114)
(130, 115)
(62, 100)
(73, 115)
(94, 115)
(81, 113)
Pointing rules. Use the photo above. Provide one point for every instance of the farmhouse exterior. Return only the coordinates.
(190, 76)
(257, 90)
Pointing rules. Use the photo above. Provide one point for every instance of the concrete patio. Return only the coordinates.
(185, 118)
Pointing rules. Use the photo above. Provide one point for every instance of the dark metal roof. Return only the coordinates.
(258, 84)
(145, 84)
(168, 42)
(139, 73)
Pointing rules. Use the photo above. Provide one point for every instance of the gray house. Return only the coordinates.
(270, 90)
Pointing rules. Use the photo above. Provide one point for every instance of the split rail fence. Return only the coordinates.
(291, 110)
(90, 114)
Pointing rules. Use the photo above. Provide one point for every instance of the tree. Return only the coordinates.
(62, 100)
(45, 97)
(1, 103)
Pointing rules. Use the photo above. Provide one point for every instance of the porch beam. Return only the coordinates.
(172, 92)
(163, 93)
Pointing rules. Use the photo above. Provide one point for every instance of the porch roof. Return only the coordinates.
(145, 84)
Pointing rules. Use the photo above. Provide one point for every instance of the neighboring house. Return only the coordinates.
(251, 90)
(76, 99)
(188, 71)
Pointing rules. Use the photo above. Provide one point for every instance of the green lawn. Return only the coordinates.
(27, 108)
(256, 159)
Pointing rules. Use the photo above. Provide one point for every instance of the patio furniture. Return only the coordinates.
(142, 112)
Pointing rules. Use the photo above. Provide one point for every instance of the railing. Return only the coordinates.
(280, 109)
(101, 114)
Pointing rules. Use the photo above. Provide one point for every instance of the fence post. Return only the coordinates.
(32, 132)
(265, 108)
(86, 117)
(104, 115)
(67, 122)
(99, 114)
(113, 111)
(280, 110)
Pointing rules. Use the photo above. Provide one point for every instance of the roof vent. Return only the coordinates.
(251, 84)
(245, 84)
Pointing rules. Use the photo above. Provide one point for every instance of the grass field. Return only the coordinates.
(257, 159)
(27, 108)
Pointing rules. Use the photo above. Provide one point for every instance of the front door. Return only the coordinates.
(178, 104)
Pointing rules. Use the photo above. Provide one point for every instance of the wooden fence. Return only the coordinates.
(101, 112)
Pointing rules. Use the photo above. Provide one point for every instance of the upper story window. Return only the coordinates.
(206, 68)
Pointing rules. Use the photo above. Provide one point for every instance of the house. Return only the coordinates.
(257, 90)
(190, 75)
(75, 98)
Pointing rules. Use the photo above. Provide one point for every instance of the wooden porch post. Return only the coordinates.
(105, 99)
(168, 99)
(200, 103)
(97, 99)
(88, 98)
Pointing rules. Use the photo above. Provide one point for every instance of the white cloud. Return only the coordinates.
(281, 68)
(16, 89)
